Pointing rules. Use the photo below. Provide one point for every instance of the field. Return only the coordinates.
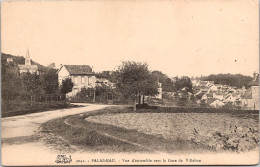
(159, 130)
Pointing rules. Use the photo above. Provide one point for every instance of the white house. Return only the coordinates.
(216, 103)
(81, 76)
(213, 88)
(218, 95)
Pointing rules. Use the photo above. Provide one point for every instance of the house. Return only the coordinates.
(103, 81)
(195, 83)
(216, 103)
(218, 95)
(199, 95)
(230, 98)
(213, 88)
(203, 88)
(219, 86)
(28, 67)
(250, 100)
(82, 76)
(207, 96)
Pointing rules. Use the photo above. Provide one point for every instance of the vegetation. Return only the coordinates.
(29, 92)
(66, 86)
(18, 107)
(167, 83)
(91, 136)
(236, 80)
(135, 80)
(183, 82)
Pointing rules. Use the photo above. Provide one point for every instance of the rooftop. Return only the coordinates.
(79, 69)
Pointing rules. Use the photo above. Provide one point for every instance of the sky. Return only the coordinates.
(192, 38)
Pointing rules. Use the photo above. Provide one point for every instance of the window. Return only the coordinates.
(82, 80)
(79, 79)
(86, 79)
(89, 80)
(75, 80)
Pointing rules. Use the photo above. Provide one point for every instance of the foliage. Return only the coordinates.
(167, 83)
(66, 86)
(51, 83)
(183, 82)
(16, 107)
(236, 80)
(134, 79)
(31, 83)
(11, 86)
(85, 94)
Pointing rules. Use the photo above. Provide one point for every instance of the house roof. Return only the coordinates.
(209, 94)
(101, 80)
(202, 86)
(219, 93)
(248, 94)
(79, 69)
(26, 67)
(211, 100)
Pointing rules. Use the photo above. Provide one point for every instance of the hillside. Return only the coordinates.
(237, 80)
(21, 60)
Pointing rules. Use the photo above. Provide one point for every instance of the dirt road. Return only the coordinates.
(18, 134)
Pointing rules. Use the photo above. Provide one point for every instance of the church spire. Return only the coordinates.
(27, 58)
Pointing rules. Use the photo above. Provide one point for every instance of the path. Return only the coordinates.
(18, 131)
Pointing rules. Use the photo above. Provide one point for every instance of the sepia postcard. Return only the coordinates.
(129, 82)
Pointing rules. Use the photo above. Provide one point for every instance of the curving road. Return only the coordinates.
(18, 133)
(19, 146)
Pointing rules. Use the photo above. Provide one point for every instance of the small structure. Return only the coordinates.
(159, 96)
(9, 60)
(103, 81)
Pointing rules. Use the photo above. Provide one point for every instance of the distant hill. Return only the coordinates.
(236, 80)
(20, 60)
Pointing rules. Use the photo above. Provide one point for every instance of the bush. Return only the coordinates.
(12, 108)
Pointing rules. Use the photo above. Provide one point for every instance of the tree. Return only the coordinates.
(32, 84)
(134, 80)
(11, 86)
(66, 86)
(183, 82)
(236, 80)
(167, 83)
(51, 83)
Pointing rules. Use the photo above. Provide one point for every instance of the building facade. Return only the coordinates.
(82, 76)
